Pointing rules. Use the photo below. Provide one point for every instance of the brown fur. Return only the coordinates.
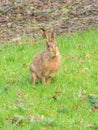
(46, 64)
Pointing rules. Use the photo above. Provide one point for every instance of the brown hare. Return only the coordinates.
(47, 63)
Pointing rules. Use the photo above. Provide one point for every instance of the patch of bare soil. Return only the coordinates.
(19, 19)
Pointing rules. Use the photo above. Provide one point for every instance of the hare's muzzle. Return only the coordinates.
(54, 54)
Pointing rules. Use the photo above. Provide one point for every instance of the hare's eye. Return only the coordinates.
(48, 45)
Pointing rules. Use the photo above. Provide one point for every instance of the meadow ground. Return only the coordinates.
(69, 102)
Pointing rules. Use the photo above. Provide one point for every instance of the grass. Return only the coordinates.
(62, 104)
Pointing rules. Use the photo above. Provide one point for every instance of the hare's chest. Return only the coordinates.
(51, 67)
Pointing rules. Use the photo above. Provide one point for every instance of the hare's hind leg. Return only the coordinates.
(34, 77)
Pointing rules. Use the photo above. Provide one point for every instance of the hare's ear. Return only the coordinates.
(44, 34)
(53, 34)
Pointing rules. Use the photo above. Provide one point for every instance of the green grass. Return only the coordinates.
(61, 105)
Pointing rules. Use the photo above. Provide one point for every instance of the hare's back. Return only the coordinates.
(35, 63)
(38, 62)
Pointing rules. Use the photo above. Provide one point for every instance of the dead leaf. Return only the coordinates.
(87, 56)
(19, 93)
(56, 95)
